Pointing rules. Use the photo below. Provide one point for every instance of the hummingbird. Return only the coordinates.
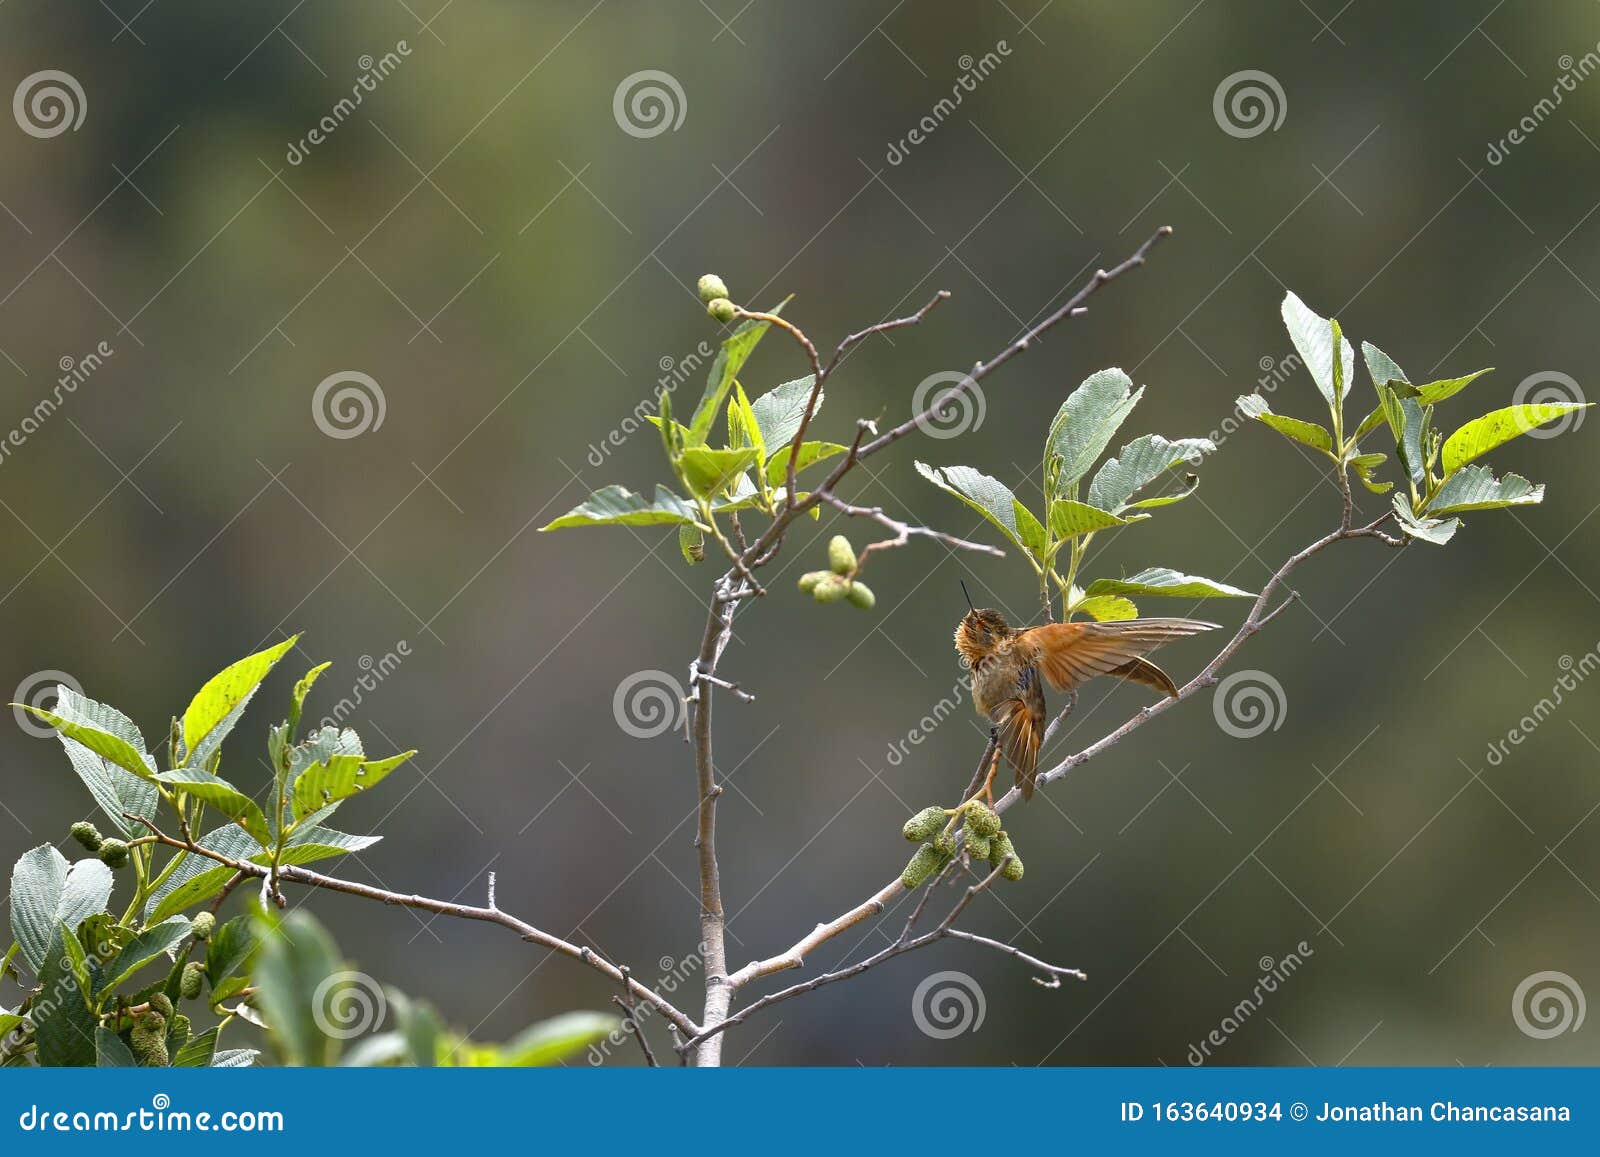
(1008, 665)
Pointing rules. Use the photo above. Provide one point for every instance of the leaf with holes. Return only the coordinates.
(341, 777)
(1481, 435)
(1306, 433)
(1476, 488)
(1084, 426)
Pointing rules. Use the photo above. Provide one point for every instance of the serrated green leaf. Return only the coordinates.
(1140, 463)
(217, 706)
(779, 410)
(708, 472)
(743, 429)
(1364, 465)
(1085, 424)
(198, 1051)
(1164, 582)
(1435, 392)
(1476, 488)
(810, 454)
(1069, 519)
(736, 349)
(1030, 530)
(223, 796)
(63, 1026)
(1307, 433)
(988, 496)
(1481, 435)
(551, 1040)
(111, 1051)
(230, 947)
(235, 1058)
(297, 701)
(1381, 368)
(150, 943)
(619, 506)
(1313, 338)
(101, 728)
(1434, 530)
(341, 777)
(114, 789)
(1107, 608)
(47, 892)
(197, 879)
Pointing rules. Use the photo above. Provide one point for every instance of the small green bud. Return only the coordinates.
(981, 819)
(113, 853)
(924, 863)
(148, 1040)
(1013, 869)
(924, 824)
(88, 835)
(830, 588)
(161, 1004)
(722, 309)
(861, 595)
(809, 580)
(202, 926)
(194, 974)
(841, 555)
(710, 288)
(978, 845)
(999, 851)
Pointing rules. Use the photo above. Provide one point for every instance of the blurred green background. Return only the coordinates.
(514, 270)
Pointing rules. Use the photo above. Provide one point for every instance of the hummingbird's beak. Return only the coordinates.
(969, 596)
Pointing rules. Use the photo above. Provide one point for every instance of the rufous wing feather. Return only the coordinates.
(1070, 654)
(1146, 674)
(1021, 724)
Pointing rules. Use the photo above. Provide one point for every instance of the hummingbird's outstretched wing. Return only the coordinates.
(1070, 654)
(1020, 720)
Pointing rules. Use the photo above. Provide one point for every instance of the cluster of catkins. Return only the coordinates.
(982, 837)
(835, 583)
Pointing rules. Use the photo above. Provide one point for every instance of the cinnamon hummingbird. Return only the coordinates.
(1008, 664)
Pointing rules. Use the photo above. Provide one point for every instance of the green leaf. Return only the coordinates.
(1107, 608)
(223, 796)
(235, 1059)
(1476, 488)
(198, 1051)
(551, 1040)
(1435, 392)
(341, 777)
(1030, 530)
(197, 879)
(743, 429)
(1308, 433)
(1191, 483)
(736, 348)
(101, 728)
(1167, 583)
(1364, 465)
(1481, 435)
(1140, 463)
(111, 1052)
(115, 790)
(1381, 367)
(989, 497)
(779, 410)
(47, 892)
(810, 454)
(63, 1024)
(1434, 530)
(150, 943)
(217, 706)
(708, 472)
(230, 947)
(619, 506)
(1069, 519)
(296, 960)
(298, 701)
(1315, 339)
(418, 1027)
(1085, 424)
(691, 544)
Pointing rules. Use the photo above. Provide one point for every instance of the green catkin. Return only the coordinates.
(861, 595)
(710, 287)
(830, 589)
(945, 844)
(977, 845)
(88, 835)
(924, 824)
(194, 974)
(722, 309)
(981, 819)
(809, 580)
(148, 1040)
(924, 863)
(113, 853)
(203, 925)
(841, 555)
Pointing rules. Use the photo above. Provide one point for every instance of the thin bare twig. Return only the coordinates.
(630, 1008)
